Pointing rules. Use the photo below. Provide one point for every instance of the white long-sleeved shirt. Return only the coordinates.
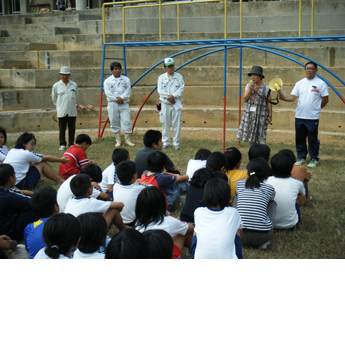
(166, 87)
(65, 98)
(117, 87)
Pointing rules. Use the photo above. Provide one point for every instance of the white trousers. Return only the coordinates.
(169, 115)
(119, 117)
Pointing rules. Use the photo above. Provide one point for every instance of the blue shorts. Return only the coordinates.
(31, 179)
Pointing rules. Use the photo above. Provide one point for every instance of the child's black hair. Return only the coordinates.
(150, 207)
(24, 139)
(259, 150)
(258, 171)
(94, 171)
(156, 161)
(119, 155)
(43, 201)
(215, 162)
(152, 137)
(202, 154)
(94, 231)
(60, 233)
(80, 185)
(6, 171)
(3, 132)
(288, 153)
(232, 157)
(200, 177)
(128, 244)
(161, 244)
(216, 193)
(83, 138)
(115, 64)
(281, 165)
(125, 171)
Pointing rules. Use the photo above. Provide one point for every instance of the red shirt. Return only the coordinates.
(77, 160)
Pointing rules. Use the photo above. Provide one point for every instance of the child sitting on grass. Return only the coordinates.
(109, 175)
(217, 224)
(93, 234)
(21, 158)
(233, 162)
(82, 203)
(259, 150)
(253, 198)
(3, 148)
(198, 163)
(77, 157)
(215, 164)
(61, 233)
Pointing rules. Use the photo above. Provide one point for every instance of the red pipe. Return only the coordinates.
(135, 120)
(100, 115)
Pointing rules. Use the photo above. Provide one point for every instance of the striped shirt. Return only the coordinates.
(252, 205)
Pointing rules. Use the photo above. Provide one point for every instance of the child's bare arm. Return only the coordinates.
(104, 196)
(26, 192)
(47, 158)
(181, 178)
(110, 188)
(117, 204)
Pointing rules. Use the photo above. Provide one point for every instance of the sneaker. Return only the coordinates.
(300, 161)
(165, 147)
(265, 245)
(177, 147)
(313, 163)
(62, 148)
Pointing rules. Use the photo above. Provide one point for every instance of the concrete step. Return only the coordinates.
(16, 47)
(49, 39)
(283, 119)
(9, 64)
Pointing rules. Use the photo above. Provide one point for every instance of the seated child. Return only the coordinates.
(43, 203)
(93, 234)
(127, 190)
(3, 148)
(95, 173)
(287, 190)
(233, 162)
(109, 175)
(82, 203)
(128, 244)
(15, 211)
(253, 197)
(259, 150)
(153, 142)
(21, 157)
(6, 244)
(164, 181)
(299, 172)
(217, 224)
(150, 214)
(198, 163)
(77, 157)
(215, 164)
(61, 233)
(195, 195)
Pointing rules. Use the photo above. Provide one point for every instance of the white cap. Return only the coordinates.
(65, 70)
(169, 61)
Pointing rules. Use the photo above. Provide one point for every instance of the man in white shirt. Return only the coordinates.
(64, 96)
(170, 87)
(312, 95)
(117, 88)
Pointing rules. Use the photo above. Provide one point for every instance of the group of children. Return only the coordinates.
(73, 222)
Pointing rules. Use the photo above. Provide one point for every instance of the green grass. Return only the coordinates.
(321, 234)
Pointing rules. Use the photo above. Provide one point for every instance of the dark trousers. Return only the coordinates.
(70, 121)
(304, 129)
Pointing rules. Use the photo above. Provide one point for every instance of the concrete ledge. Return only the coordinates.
(14, 64)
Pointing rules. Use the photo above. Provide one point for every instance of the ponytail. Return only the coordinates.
(258, 171)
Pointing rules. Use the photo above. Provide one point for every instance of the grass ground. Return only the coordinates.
(321, 234)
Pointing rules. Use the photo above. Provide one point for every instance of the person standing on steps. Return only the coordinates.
(117, 88)
(312, 96)
(64, 96)
(170, 89)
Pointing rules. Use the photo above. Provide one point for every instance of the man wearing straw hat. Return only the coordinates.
(64, 96)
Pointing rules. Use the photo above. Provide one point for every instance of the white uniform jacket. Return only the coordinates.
(65, 98)
(166, 87)
(117, 87)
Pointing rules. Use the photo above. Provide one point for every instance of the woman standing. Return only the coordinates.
(258, 111)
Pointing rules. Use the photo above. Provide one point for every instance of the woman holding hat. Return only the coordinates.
(258, 111)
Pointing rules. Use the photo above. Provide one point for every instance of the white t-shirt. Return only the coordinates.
(78, 206)
(96, 255)
(216, 231)
(109, 176)
(309, 93)
(171, 225)
(64, 193)
(287, 190)
(3, 153)
(20, 159)
(127, 194)
(42, 255)
(194, 165)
